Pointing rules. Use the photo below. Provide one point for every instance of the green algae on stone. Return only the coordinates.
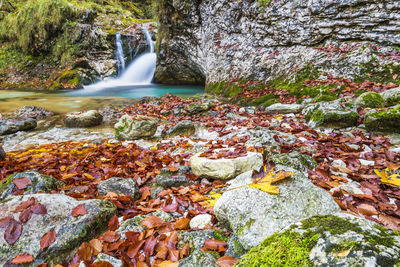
(384, 120)
(315, 242)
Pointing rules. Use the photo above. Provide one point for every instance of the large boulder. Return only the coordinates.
(126, 186)
(284, 108)
(39, 183)
(10, 126)
(70, 231)
(370, 100)
(185, 128)
(335, 114)
(391, 97)
(335, 240)
(198, 108)
(33, 112)
(224, 168)
(253, 214)
(83, 119)
(127, 128)
(384, 120)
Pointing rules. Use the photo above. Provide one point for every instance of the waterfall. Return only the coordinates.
(119, 53)
(139, 72)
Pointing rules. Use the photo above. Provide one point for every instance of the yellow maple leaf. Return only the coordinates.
(213, 198)
(266, 187)
(393, 179)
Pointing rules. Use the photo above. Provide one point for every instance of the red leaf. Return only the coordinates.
(13, 232)
(39, 209)
(367, 209)
(78, 210)
(101, 264)
(110, 236)
(26, 204)
(213, 244)
(5, 221)
(152, 222)
(113, 224)
(134, 249)
(149, 246)
(25, 215)
(22, 183)
(47, 239)
(23, 258)
(227, 261)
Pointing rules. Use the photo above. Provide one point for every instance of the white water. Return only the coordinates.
(119, 53)
(139, 72)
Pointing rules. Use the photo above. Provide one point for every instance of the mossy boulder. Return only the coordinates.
(324, 98)
(370, 100)
(71, 232)
(383, 120)
(135, 224)
(127, 128)
(10, 126)
(40, 184)
(295, 160)
(333, 240)
(336, 115)
(391, 97)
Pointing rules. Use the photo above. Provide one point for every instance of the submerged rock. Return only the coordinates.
(184, 128)
(384, 120)
(391, 97)
(84, 119)
(10, 126)
(331, 115)
(33, 112)
(340, 240)
(370, 100)
(127, 128)
(40, 183)
(223, 168)
(70, 231)
(126, 186)
(284, 108)
(253, 214)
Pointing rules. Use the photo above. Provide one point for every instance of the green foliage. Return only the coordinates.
(11, 54)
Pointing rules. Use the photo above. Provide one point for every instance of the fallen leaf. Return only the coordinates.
(39, 208)
(152, 222)
(182, 224)
(101, 264)
(110, 236)
(5, 221)
(13, 232)
(367, 209)
(168, 264)
(78, 211)
(113, 224)
(97, 246)
(47, 239)
(393, 179)
(227, 261)
(23, 258)
(266, 187)
(26, 204)
(343, 253)
(216, 245)
(22, 183)
(25, 215)
(85, 251)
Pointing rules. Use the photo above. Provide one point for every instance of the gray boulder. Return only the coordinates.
(334, 114)
(199, 258)
(84, 119)
(253, 214)
(391, 97)
(224, 168)
(284, 108)
(127, 128)
(168, 179)
(198, 108)
(126, 186)
(41, 183)
(70, 231)
(340, 240)
(185, 128)
(33, 112)
(10, 126)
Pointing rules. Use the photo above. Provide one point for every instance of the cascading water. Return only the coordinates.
(139, 72)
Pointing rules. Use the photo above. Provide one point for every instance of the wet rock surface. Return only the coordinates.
(10, 126)
(33, 112)
(84, 119)
(127, 128)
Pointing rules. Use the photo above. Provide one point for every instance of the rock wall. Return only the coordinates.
(213, 41)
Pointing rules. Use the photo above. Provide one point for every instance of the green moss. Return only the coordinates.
(219, 235)
(335, 119)
(324, 98)
(376, 72)
(372, 100)
(385, 120)
(240, 229)
(6, 183)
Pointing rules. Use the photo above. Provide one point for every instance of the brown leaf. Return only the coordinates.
(149, 246)
(182, 224)
(134, 249)
(152, 222)
(216, 245)
(113, 224)
(39, 208)
(227, 261)
(390, 222)
(78, 211)
(185, 251)
(366, 209)
(97, 246)
(101, 264)
(168, 264)
(22, 183)
(5, 221)
(23, 258)
(47, 239)
(26, 204)
(25, 215)
(110, 236)
(13, 232)
(85, 251)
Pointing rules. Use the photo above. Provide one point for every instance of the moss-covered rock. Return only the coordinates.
(370, 100)
(294, 160)
(391, 97)
(324, 98)
(341, 240)
(127, 128)
(383, 120)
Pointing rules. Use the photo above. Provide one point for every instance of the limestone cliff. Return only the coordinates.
(213, 41)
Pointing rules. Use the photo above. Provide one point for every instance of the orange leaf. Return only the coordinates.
(227, 261)
(78, 210)
(152, 222)
(168, 264)
(23, 258)
(182, 224)
(48, 239)
(85, 251)
(113, 224)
